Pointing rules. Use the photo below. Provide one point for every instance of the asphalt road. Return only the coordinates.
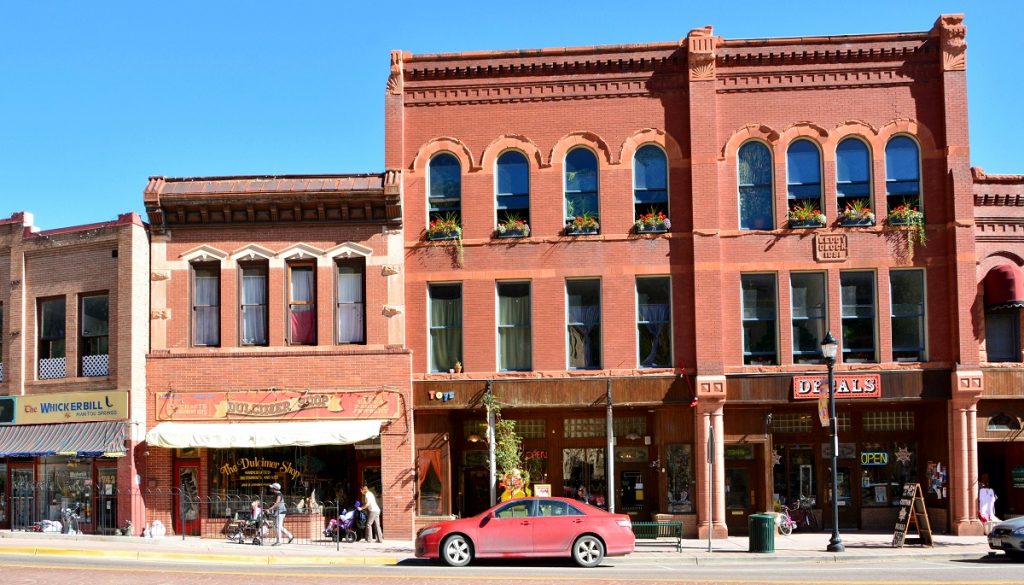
(991, 570)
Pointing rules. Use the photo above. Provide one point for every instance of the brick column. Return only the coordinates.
(709, 412)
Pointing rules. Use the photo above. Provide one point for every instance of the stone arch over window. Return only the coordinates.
(255, 253)
(806, 130)
(630, 145)
(444, 143)
(303, 251)
(761, 132)
(509, 142)
(921, 134)
(205, 254)
(349, 250)
(573, 140)
(1001, 421)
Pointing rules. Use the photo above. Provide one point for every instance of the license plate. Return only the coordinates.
(997, 542)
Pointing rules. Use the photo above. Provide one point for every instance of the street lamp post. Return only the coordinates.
(829, 346)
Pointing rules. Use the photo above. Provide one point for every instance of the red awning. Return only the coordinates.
(1004, 287)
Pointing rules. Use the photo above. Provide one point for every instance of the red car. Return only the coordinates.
(530, 527)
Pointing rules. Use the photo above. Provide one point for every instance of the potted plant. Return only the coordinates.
(585, 223)
(444, 227)
(908, 215)
(857, 213)
(652, 222)
(513, 227)
(805, 214)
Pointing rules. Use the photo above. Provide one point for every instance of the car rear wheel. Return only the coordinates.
(587, 551)
(456, 551)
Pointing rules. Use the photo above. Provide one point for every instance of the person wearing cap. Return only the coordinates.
(372, 513)
(279, 508)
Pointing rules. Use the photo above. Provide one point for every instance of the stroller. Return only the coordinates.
(347, 526)
(253, 527)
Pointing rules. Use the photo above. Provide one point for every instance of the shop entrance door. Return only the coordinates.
(5, 520)
(23, 496)
(186, 497)
(369, 475)
(105, 507)
(743, 485)
(634, 491)
(476, 491)
(849, 511)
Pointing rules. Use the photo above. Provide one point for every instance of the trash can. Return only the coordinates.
(762, 533)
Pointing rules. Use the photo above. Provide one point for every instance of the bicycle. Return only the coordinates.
(797, 516)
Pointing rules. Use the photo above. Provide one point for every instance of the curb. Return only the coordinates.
(198, 558)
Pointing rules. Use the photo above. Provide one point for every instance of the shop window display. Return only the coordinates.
(679, 469)
(583, 473)
(885, 468)
(68, 485)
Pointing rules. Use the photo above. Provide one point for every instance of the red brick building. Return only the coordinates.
(811, 184)
(73, 306)
(277, 348)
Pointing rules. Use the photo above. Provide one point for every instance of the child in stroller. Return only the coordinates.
(254, 527)
(347, 526)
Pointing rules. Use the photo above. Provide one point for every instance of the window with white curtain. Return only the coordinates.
(254, 304)
(514, 336)
(302, 304)
(445, 326)
(584, 323)
(206, 304)
(351, 310)
(654, 321)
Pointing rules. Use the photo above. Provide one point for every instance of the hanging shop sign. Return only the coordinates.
(278, 405)
(847, 386)
(66, 407)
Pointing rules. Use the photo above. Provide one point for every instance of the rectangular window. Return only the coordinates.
(93, 345)
(584, 323)
(908, 322)
(445, 326)
(1, 346)
(351, 310)
(654, 321)
(254, 304)
(52, 338)
(1002, 335)
(432, 475)
(760, 333)
(515, 348)
(858, 302)
(302, 304)
(810, 315)
(206, 304)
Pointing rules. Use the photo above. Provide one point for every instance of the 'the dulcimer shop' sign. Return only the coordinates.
(847, 386)
(278, 405)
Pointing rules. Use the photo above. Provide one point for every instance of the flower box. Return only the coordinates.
(856, 221)
(899, 221)
(512, 234)
(442, 235)
(805, 223)
(581, 231)
(651, 229)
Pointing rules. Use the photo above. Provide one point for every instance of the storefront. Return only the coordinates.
(54, 471)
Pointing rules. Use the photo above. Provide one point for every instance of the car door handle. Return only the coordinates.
(577, 521)
(525, 522)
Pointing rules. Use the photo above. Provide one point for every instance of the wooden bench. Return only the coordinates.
(655, 530)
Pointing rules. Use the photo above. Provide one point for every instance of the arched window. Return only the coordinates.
(902, 173)
(853, 178)
(803, 185)
(444, 180)
(512, 183)
(650, 184)
(580, 184)
(755, 186)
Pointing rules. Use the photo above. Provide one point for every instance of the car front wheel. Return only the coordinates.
(456, 551)
(587, 551)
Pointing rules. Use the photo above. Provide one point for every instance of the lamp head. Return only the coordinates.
(829, 346)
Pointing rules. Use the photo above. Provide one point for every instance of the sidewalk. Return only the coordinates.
(800, 547)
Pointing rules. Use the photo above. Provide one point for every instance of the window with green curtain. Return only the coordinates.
(514, 333)
(445, 326)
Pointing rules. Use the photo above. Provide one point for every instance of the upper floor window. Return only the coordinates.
(902, 173)
(1002, 335)
(803, 186)
(654, 321)
(580, 184)
(513, 187)
(302, 304)
(584, 323)
(93, 345)
(908, 319)
(760, 316)
(754, 174)
(444, 180)
(445, 326)
(858, 311)
(853, 177)
(254, 304)
(351, 308)
(1, 342)
(809, 300)
(206, 304)
(515, 348)
(52, 328)
(650, 182)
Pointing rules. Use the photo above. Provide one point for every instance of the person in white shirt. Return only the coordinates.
(279, 508)
(372, 514)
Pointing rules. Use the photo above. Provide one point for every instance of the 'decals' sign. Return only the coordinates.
(847, 386)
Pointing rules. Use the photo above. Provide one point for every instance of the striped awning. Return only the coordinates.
(91, 439)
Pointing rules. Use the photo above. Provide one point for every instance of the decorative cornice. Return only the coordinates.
(395, 81)
(700, 46)
(574, 89)
(797, 79)
(953, 35)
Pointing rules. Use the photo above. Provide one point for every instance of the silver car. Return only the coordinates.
(1009, 536)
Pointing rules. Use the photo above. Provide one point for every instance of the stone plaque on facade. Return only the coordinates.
(830, 247)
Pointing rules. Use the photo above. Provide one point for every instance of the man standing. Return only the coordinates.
(372, 514)
(278, 509)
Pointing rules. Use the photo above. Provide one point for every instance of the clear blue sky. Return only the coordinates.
(98, 96)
